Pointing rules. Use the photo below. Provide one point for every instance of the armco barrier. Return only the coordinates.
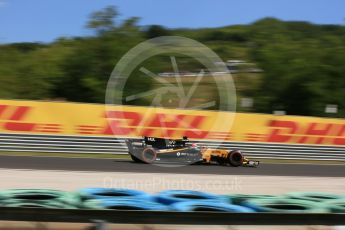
(175, 218)
(111, 145)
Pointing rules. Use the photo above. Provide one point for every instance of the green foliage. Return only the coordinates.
(303, 63)
(156, 31)
(103, 20)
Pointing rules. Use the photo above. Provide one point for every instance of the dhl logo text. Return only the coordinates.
(32, 118)
(12, 118)
(309, 133)
(127, 123)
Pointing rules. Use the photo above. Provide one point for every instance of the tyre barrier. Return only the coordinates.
(111, 193)
(173, 200)
(239, 199)
(125, 204)
(314, 196)
(285, 205)
(210, 206)
(172, 196)
(37, 205)
(336, 206)
(38, 198)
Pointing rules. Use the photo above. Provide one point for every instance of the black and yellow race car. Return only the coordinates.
(156, 150)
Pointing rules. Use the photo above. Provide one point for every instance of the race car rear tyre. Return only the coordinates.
(149, 155)
(135, 159)
(235, 158)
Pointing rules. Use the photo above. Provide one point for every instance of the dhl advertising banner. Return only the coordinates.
(59, 118)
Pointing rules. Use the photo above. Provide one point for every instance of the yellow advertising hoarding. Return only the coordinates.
(61, 118)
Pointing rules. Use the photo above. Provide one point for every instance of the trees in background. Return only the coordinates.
(303, 63)
(103, 20)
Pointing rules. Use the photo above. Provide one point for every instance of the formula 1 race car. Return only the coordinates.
(155, 150)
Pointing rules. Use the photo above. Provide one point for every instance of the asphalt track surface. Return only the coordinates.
(113, 165)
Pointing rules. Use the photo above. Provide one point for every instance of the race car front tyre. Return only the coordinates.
(235, 158)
